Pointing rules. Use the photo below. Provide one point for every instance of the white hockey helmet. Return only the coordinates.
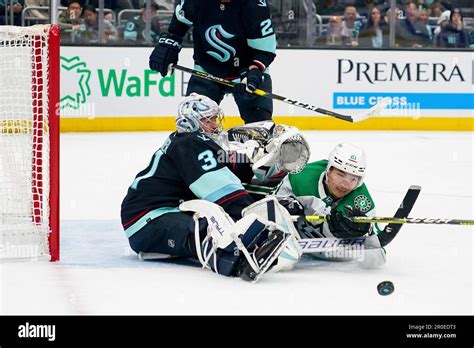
(350, 159)
(193, 110)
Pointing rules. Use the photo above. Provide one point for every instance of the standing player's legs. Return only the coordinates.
(170, 234)
(255, 109)
(205, 87)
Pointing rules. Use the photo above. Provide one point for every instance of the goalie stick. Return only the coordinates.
(318, 245)
(349, 118)
(312, 245)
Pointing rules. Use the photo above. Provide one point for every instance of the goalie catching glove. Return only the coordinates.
(286, 151)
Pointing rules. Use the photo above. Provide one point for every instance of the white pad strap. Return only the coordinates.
(222, 230)
(273, 212)
(270, 210)
(220, 223)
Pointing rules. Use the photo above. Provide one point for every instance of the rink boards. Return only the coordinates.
(111, 89)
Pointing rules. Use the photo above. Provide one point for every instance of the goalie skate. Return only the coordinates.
(265, 256)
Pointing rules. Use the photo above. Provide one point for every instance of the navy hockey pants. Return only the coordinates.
(171, 234)
(251, 109)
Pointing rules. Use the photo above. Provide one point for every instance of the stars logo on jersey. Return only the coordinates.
(362, 203)
(328, 200)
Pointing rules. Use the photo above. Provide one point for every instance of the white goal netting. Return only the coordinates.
(24, 142)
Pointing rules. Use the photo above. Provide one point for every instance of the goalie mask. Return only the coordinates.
(199, 113)
(348, 158)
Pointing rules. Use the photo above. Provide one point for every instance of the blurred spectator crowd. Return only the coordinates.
(416, 23)
(297, 23)
(123, 21)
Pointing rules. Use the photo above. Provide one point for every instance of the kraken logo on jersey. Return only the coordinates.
(213, 35)
(362, 203)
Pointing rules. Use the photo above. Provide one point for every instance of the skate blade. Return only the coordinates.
(266, 266)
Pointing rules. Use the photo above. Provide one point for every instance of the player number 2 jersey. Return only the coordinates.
(228, 35)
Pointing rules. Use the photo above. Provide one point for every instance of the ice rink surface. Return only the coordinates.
(430, 265)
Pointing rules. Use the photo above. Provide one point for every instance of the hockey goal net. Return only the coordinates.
(29, 142)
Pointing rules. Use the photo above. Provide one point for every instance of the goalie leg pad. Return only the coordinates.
(230, 260)
(222, 248)
(279, 219)
(370, 256)
(229, 247)
(270, 210)
(374, 256)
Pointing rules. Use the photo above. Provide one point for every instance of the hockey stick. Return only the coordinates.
(349, 118)
(395, 220)
(391, 230)
(400, 219)
(312, 245)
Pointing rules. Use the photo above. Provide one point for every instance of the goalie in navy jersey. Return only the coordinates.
(234, 40)
(190, 202)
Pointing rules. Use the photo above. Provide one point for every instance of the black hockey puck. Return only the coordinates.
(385, 288)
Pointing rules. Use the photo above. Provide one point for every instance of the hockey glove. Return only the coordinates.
(341, 225)
(250, 81)
(292, 205)
(165, 53)
(254, 79)
(307, 230)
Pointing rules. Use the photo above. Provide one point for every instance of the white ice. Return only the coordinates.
(430, 265)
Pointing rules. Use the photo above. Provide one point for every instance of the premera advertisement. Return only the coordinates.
(112, 88)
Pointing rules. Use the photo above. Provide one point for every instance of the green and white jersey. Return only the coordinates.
(308, 187)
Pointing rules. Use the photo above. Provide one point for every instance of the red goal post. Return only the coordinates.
(29, 142)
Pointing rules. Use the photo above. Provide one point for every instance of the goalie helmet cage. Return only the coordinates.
(29, 142)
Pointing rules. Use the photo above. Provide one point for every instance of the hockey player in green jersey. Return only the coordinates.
(333, 188)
